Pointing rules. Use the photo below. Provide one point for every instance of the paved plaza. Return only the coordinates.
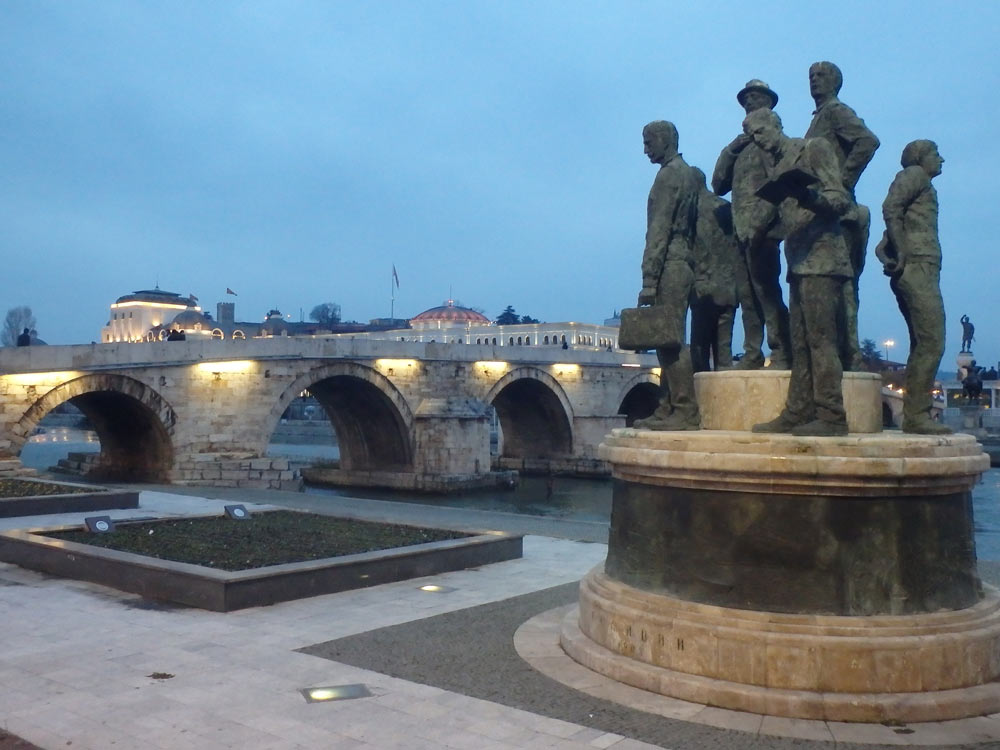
(475, 666)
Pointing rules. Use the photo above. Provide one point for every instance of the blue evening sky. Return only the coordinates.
(295, 151)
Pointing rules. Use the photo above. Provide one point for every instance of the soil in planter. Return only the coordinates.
(270, 538)
(16, 488)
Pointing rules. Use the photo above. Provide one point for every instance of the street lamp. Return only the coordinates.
(888, 343)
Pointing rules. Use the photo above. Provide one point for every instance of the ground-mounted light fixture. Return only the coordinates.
(237, 512)
(99, 524)
(335, 693)
(436, 588)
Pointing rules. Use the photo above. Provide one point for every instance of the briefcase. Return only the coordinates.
(648, 328)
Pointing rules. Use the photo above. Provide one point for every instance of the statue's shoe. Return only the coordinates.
(748, 364)
(666, 424)
(780, 363)
(781, 423)
(925, 427)
(820, 428)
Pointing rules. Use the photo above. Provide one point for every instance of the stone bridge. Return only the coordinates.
(406, 414)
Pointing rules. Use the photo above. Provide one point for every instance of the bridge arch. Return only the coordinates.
(134, 423)
(372, 419)
(535, 415)
(638, 398)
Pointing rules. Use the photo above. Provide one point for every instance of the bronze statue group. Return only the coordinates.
(707, 254)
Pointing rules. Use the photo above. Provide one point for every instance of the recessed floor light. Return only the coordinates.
(335, 693)
(436, 589)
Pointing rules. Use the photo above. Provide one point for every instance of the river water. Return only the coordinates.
(564, 497)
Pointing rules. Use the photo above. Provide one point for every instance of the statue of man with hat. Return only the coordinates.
(742, 167)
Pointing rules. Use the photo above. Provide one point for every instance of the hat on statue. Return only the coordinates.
(757, 85)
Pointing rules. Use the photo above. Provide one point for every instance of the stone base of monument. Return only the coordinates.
(909, 668)
(822, 578)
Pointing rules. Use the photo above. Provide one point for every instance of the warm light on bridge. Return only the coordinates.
(40, 378)
(391, 365)
(232, 365)
(564, 368)
(493, 369)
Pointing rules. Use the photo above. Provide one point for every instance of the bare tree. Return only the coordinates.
(18, 318)
(326, 314)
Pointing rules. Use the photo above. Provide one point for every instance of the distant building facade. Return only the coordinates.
(151, 314)
(134, 315)
(453, 324)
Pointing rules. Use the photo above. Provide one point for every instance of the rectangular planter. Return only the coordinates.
(95, 499)
(224, 591)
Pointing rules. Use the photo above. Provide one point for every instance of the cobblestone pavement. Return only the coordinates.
(87, 667)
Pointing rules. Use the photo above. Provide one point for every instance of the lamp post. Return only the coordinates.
(888, 344)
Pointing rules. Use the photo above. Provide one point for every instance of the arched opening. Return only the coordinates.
(888, 419)
(369, 422)
(640, 402)
(217, 333)
(131, 423)
(533, 421)
(370, 431)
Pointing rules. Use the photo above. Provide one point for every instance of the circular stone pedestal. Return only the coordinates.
(823, 578)
(913, 668)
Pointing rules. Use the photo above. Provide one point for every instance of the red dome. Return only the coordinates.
(451, 313)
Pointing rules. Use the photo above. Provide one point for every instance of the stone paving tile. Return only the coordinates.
(802, 729)
(866, 734)
(720, 717)
(605, 740)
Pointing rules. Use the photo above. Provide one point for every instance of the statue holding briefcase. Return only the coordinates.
(667, 280)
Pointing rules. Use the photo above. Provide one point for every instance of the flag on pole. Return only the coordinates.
(230, 291)
(395, 277)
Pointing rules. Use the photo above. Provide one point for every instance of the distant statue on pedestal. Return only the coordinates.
(972, 385)
(968, 333)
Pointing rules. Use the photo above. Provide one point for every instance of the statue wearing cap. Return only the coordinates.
(742, 168)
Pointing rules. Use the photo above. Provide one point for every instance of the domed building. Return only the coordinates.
(450, 323)
(134, 315)
(448, 317)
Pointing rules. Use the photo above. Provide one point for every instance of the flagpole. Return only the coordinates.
(392, 294)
